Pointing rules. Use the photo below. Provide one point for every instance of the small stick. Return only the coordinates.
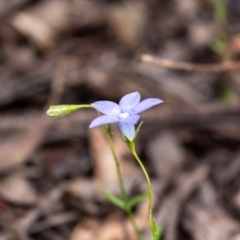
(176, 65)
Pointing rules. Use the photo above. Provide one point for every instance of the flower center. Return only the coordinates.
(124, 115)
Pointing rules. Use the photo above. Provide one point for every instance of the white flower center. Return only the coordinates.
(124, 115)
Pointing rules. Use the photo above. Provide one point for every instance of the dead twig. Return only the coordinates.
(176, 65)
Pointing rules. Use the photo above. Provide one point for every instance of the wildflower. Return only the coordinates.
(126, 113)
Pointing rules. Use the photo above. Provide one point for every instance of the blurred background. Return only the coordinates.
(81, 51)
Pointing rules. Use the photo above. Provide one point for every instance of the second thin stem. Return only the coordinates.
(151, 221)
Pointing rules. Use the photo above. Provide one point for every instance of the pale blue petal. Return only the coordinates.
(146, 104)
(131, 119)
(103, 120)
(107, 107)
(129, 101)
(127, 130)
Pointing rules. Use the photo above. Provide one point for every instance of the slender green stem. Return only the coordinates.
(121, 183)
(151, 221)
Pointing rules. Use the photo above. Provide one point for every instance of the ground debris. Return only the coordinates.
(81, 51)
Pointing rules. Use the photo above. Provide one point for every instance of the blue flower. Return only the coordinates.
(126, 113)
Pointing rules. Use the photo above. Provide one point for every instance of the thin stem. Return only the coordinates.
(151, 222)
(121, 183)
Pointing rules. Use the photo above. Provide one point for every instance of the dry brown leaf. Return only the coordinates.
(86, 230)
(105, 170)
(16, 189)
(166, 154)
(81, 188)
(128, 21)
(211, 223)
(109, 229)
(18, 144)
(34, 28)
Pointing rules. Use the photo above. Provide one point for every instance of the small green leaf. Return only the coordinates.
(137, 130)
(137, 199)
(154, 227)
(158, 231)
(228, 95)
(139, 126)
(220, 11)
(218, 45)
(113, 199)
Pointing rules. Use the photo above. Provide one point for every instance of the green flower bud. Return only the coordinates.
(56, 111)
